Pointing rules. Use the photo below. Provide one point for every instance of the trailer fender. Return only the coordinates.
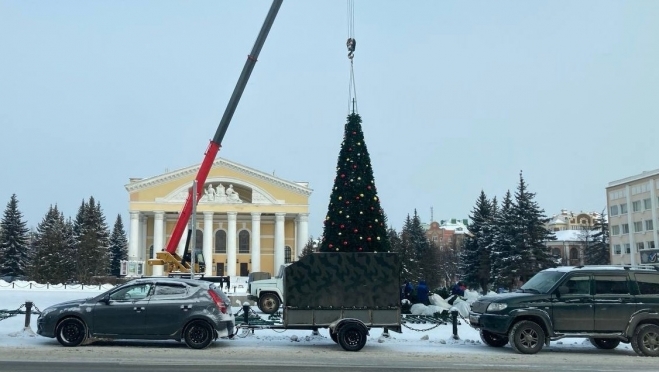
(336, 326)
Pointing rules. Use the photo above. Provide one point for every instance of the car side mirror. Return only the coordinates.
(106, 299)
(563, 290)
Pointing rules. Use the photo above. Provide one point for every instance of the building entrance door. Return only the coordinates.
(243, 269)
(219, 268)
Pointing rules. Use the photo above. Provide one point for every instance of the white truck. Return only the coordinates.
(268, 293)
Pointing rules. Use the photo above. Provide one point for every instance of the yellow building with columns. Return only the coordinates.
(247, 220)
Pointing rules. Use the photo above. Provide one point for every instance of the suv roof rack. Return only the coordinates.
(641, 267)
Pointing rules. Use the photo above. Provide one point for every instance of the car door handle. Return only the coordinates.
(186, 307)
(139, 309)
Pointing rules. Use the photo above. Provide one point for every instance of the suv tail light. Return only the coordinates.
(218, 301)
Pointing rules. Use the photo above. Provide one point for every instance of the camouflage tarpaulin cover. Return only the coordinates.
(343, 280)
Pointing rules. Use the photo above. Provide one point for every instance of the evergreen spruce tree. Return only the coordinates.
(14, 241)
(50, 263)
(93, 242)
(423, 253)
(597, 252)
(118, 247)
(309, 248)
(404, 256)
(355, 222)
(532, 235)
(506, 261)
(474, 268)
(485, 240)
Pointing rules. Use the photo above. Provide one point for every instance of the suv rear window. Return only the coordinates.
(648, 284)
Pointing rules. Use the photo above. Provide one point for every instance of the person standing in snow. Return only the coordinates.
(422, 293)
(458, 291)
(407, 291)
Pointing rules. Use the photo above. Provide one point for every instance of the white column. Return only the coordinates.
(142, 245)
(181, 243)
(134, 235)
(256, 242)
(158, 232)
(231, 243)
(279, 241)
(208, 242)
(302, 238)
(630, 222)
(653, 205)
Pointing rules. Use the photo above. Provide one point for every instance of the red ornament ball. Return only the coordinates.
(369, 238)
(345, 242)
(355, 231)
(330, 245)
(342, 225)
(343, 175)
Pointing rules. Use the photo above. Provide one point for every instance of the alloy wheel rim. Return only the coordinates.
(529, 338)
(651, 341)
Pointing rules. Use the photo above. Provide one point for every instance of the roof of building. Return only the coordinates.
(637, 177)
(573, 235)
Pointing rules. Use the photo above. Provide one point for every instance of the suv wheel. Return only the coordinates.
(645, 341)
(526, 337)
(494, 340)
(605, 343)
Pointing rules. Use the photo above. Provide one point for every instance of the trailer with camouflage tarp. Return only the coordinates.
(347, 293)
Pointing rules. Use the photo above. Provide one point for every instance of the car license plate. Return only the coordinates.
(473, 319)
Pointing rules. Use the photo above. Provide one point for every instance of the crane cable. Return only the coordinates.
(351, 44)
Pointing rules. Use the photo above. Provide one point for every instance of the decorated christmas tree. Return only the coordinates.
(355, 221)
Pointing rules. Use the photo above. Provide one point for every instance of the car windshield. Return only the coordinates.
(542, 282)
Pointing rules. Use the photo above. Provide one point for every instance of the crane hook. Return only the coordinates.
(351, 44)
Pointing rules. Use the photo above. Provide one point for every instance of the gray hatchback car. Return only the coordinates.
(195, 311)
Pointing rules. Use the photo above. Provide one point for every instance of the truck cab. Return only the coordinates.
(268, 293)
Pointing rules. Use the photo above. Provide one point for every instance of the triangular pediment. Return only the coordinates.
(219, 188)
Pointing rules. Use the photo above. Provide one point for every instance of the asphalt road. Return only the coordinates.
(146, 357)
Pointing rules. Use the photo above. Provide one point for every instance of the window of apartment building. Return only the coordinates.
(628, 248)
(638, 226)
(623, 208)
(625, 228)
(649, 244)
(648, 225)
(636, 206)
(640, 246)
(614, 210)
(647, 203)
(616, 249)
(615, 230)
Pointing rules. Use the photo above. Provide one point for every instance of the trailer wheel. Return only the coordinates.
(269, 303)
(352, 337)
(334, 337)
(605, 343)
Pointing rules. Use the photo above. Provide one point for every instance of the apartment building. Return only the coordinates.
(633, 205)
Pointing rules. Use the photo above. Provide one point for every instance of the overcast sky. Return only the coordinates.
(455, 97)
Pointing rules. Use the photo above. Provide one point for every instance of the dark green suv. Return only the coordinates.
(606, 304)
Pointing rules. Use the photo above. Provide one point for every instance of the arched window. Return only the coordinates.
(199, 239)
(150, 253)
(220, 241)
(243, 241)
(574, 254)
(287, 254)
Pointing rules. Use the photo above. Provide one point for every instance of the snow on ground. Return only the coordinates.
(424, 337)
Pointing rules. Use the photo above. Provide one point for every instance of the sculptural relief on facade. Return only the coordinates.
(220, 194)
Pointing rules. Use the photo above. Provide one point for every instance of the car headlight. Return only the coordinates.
(496, 306)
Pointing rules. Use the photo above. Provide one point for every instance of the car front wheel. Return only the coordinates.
(605, 343)
(494, 340)
(71, 332)
(198, 334)
(526, 337)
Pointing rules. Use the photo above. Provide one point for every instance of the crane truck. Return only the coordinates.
(168, 258)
